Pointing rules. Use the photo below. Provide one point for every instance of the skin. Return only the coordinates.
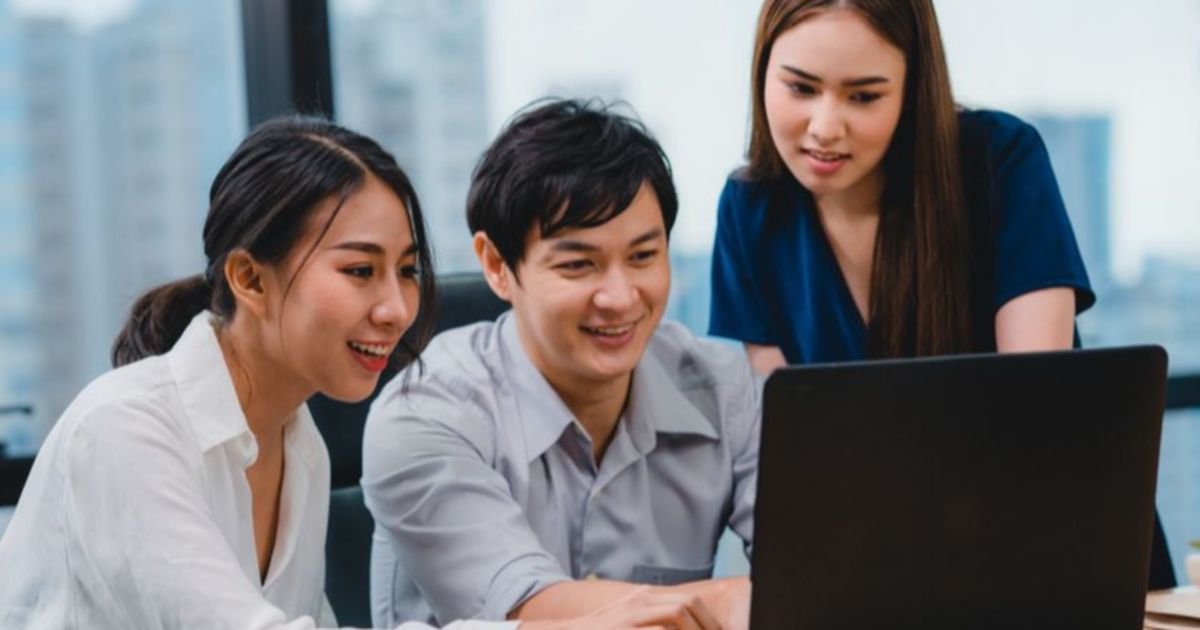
(613, 275)
(833, 97)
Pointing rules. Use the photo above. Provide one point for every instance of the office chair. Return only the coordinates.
(463, 298)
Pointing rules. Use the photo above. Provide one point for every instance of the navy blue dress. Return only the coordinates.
(776, 282)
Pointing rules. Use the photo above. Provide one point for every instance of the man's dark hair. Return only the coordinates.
(564, 164)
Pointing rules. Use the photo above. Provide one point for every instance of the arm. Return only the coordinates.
(725, 602)
(447, 513)
(764, 359)
(1040, 320)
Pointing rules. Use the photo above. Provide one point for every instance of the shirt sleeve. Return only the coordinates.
(737, 310)
(141, 535)
(743, 412)
(1035, 246)
(450, 517)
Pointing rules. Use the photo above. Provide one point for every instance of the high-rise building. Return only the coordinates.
(125, 128)
(1079, 148)
(412, 75)
(52, 55)
(17, 358)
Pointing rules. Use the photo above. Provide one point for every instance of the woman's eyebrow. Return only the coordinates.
(855, 82)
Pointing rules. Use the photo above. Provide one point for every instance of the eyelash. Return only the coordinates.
(581, 264)
(364, 272)
(861, 98)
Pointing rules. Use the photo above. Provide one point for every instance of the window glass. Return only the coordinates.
(114, 117)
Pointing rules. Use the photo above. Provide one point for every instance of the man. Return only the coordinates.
(543, 465)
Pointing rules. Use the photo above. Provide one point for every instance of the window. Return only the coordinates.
(113, 120)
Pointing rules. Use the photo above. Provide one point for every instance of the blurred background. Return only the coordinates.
(116, 114)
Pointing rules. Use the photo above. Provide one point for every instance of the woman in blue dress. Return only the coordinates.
(877, 219)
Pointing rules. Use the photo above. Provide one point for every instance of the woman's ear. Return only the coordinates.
(245, 278)
(495, 270)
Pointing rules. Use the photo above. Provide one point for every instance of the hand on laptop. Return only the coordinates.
(646, 607)
(729, 599)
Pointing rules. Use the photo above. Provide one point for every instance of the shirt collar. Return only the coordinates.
(656, 402)
(543, 415)
(210, 401)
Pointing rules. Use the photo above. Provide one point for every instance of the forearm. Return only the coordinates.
(581, 597)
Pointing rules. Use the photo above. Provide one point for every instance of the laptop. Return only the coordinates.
(977, 491)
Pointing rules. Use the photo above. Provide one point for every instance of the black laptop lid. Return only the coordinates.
(997, 491)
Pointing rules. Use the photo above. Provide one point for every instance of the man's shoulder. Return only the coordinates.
(695, 361)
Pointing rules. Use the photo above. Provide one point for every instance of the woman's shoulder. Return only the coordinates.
(748, 200)
(136, 399)
(1001, 133)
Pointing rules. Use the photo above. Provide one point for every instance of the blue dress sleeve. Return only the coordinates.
(1035, 246)
(737, 310)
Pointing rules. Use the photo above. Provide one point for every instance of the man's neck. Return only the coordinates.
(597, 406)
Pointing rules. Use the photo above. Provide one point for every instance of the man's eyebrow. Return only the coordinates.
(650, 235)
(568, 245)
(856, 82)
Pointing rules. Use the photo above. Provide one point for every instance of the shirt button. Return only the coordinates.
(592, 576)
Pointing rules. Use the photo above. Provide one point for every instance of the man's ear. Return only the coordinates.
(499, 277)
(245, 278)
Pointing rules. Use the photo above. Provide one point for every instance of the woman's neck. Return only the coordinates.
(266, 392)
(861, 202)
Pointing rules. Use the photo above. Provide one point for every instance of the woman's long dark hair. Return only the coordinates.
(260, 202)
(922, 275)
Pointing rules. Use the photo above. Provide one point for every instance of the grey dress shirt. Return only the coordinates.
(483, 484)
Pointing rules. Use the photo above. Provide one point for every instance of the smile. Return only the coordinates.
(825, 156)
(612, 331)
(377, 350)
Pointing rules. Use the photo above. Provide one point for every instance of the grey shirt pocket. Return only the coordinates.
(669, 576)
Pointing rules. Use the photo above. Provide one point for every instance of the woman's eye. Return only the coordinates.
(410, 271)
(361, 271)
(864, 97)
(803, 89)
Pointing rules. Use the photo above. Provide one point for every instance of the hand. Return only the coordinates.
(730, 599)
(646, 607)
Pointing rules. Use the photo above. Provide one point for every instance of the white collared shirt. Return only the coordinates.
(137, 513)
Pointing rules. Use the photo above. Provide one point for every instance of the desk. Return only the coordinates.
(1184, 600)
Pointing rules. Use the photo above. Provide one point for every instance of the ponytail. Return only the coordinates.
(159, 317)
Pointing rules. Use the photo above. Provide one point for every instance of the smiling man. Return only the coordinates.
(548, 463)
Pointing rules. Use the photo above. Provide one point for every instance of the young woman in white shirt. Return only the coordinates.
(189, 487)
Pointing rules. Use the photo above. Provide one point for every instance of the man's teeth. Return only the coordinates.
(373, 349)
(609, 330)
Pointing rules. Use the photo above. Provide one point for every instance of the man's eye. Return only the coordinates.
(573, 265)
(644, 255)
(361, 271)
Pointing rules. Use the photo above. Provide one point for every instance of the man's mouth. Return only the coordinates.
(615, 330)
